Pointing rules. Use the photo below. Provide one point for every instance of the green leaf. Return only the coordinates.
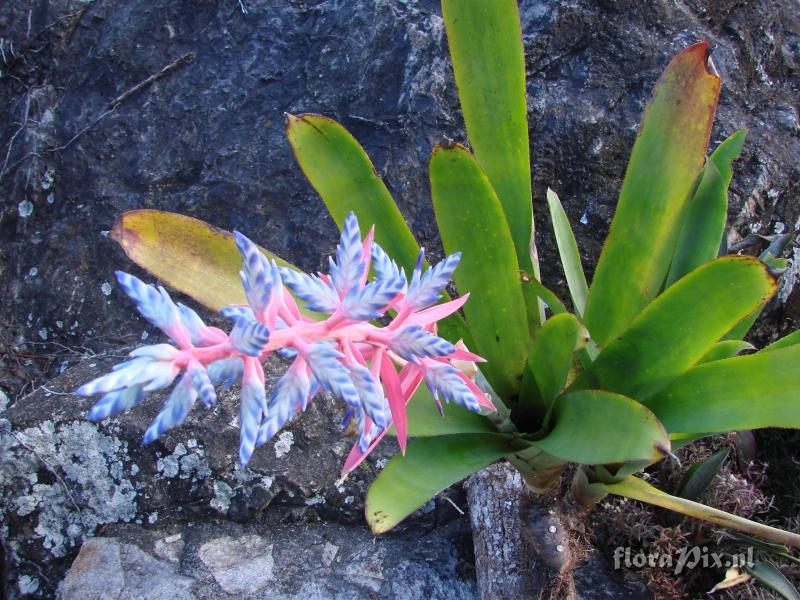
(594, 427)
(664, 164)
(568, 251)
(489, 63)
(471, 221)
(745, 392)
(778, 244)
(540, 470)
(746, 448)
(550, 359)
(632, 487)
(786, 341)
(769, 575)
(341, 172)
(679, 327)
(728, 151)
(701, 474)
(777, 265)
(187, 254)
(741, 539)
(775, 549)
(704, 223)
(429, 466)
(725, 349)
(424, 419)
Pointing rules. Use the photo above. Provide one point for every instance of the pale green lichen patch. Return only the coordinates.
(186, 462)
(68, 479)
(222, 496)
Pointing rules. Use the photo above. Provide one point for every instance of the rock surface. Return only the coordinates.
(107, 568)
(63, 479)
(268, 561)
(207, 139)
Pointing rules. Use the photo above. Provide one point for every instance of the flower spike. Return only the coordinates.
(331, 374)
(256, 275)
(318, 295)
(225, 372)
(115, 402)
(385, 267)
(252, 409)
(370, 303)
(427, 289)
(288, 396)
(249, 337)
(444, 379)
(374, 370)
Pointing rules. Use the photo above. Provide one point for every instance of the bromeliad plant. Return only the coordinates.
(646, 363)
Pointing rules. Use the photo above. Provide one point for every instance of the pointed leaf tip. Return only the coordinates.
(666, 159)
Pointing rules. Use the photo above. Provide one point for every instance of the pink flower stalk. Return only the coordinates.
(375, 370)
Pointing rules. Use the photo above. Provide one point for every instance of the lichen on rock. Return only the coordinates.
(72, 475)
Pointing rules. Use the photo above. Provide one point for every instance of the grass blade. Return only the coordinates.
(568, 251)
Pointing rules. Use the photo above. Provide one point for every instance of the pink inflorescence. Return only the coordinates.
(375, 370)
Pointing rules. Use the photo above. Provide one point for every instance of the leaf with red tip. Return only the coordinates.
(663, 168)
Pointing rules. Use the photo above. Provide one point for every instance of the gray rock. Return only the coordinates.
(63, 479)
(108, 568)
(240, 566)
(271, 561)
